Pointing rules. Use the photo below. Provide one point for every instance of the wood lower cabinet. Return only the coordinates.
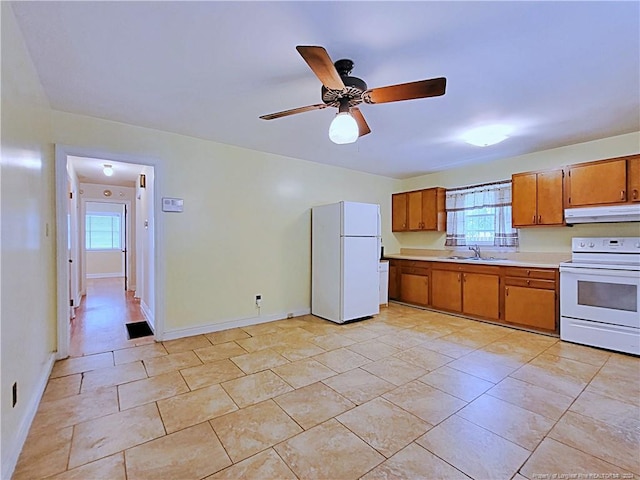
(414, 288)
(538, 198)
(414, 282)
(530, 307)
(517, 296)
(481, 295)
(633, 178)
(446, 290)
(531, 299)
(393, 279)
(597, 183)
(468, 289)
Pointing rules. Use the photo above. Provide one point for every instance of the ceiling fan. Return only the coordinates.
(345, 92)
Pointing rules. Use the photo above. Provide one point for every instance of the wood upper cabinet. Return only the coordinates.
(446, 290)
(481, 295)
(537, 198)
(633, 178)
(419, 210)
(597, 183)
(399, 212)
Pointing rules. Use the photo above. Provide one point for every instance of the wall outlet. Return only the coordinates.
(289, 315)
(14, 394)
(258, 301)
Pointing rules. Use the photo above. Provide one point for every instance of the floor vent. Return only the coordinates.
(138, 329)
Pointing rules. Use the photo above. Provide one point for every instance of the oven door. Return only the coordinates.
(600, 295)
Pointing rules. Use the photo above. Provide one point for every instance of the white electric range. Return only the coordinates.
(600, 294)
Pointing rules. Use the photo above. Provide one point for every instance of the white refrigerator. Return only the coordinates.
(345, 251)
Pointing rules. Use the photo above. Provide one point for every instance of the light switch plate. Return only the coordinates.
(172, 204)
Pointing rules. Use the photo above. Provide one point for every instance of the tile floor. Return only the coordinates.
(409, 394)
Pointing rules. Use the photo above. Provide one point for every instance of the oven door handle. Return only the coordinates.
(600, 272)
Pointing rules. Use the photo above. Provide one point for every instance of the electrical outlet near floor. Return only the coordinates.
(258, 300)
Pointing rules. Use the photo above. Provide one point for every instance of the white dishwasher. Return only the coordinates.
(383, 269)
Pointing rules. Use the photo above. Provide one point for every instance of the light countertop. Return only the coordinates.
(521, 259)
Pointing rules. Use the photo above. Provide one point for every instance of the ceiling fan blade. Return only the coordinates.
(293, 111)
(319, 61)
(363, 128)
(406, 91)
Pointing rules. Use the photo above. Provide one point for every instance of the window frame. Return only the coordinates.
(88, 231)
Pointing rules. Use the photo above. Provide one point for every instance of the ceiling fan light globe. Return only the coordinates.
(343, 129)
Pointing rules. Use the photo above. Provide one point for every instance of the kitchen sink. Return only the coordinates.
(477, 259)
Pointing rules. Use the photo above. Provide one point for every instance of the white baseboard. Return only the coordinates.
(105, 275)
(146, 311)
(225, 325)
(11, 452)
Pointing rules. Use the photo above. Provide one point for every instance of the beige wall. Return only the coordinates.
(109, 264)
(538, 239)
(27, 252)
(245, 229)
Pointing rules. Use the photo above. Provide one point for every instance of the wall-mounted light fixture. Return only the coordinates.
(107, 170)
(143, 180)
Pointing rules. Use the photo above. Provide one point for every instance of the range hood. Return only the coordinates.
(603, 214)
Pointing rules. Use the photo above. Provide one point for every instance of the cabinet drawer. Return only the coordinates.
(415, 263)
(415, 271)
(530, 273)
(530, 282)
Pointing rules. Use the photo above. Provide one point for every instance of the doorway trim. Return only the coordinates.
(62, 239)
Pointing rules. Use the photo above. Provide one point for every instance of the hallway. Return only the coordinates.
(100, 320)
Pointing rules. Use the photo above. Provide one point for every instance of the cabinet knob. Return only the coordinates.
(464, 277)
(621, 194)
(539, 218)
(635, 193)
(528, 282)
(528, 272)
(507, 291)
(458, 277)
(533, 220)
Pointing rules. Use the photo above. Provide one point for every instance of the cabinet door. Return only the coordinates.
(399, 212)
(414, 201)
(446, 290)
(524, 212)
(393, 282)
(414, 289)
(550, 198)
(633, 176)
(598, 183)
(530, 307)
(481, 295)
(429, 210)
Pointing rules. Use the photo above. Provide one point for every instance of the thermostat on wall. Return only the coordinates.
(172, 204)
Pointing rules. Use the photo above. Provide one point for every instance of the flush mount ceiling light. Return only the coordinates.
(344, 128)
(107, 170)
(487, 135)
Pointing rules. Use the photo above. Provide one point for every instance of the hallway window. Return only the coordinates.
(103, 231)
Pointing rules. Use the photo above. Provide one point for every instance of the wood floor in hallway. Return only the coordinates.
(100, 320)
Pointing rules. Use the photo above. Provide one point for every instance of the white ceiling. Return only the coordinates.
(559, 72)
(91, 170)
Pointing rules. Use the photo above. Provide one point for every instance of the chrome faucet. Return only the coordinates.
(476, 251)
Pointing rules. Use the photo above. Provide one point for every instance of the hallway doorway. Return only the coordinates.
(101, 318)
(106, 276)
